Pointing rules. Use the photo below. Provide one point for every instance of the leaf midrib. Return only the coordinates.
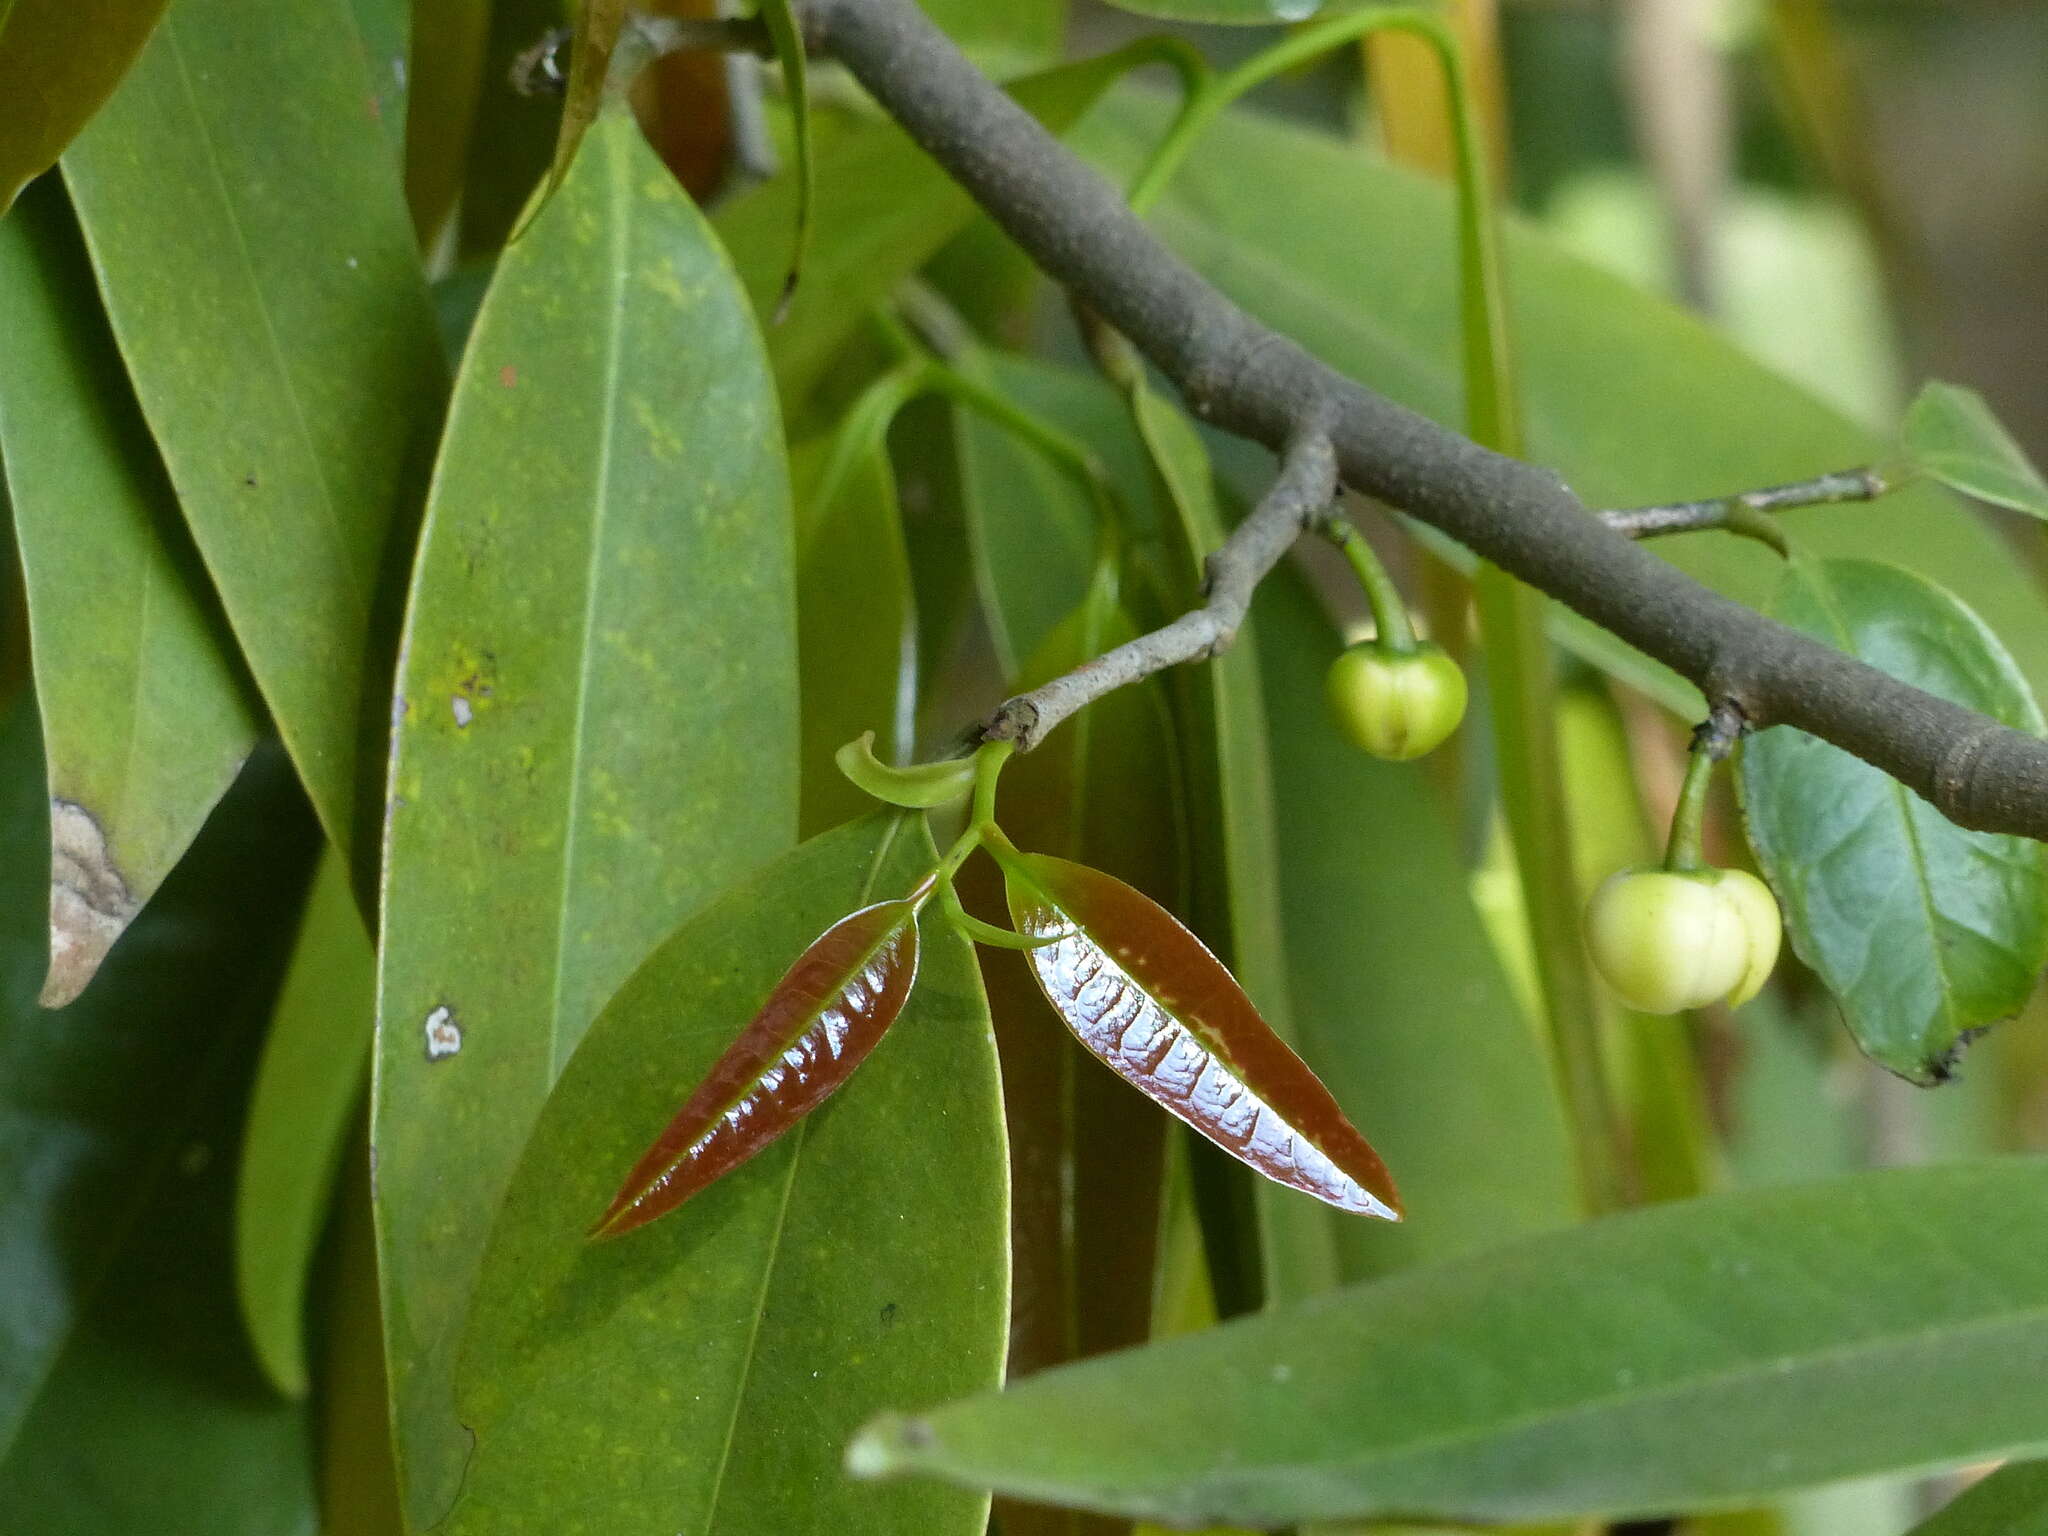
(592, 579)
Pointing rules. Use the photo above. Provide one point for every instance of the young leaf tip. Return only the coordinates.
(1149, 999)
(819, 1023)
(919, 787)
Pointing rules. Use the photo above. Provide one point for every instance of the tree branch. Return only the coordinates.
(1299, 497)
(1715, 512)
(1249, 380)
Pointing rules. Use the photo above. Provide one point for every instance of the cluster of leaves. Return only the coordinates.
(485, 701)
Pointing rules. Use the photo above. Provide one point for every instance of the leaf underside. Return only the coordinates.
(824, 1016)
(1148, 998)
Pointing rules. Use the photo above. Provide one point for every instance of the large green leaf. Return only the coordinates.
(1400, 1002)
(308, 1094)
(127, 1400)
(1923, 931)
(596, 726)
(59, 62)
(704, 1372)
(145, 719)
(244, 216)
(1693, 1355)
(2012, 1501)
(1629, 398)
(881, 209)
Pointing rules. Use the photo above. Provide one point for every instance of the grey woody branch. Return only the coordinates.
(1723, 511)
(1247, 379)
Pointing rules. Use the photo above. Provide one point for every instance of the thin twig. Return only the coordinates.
(1299, 497)
(1691, 516)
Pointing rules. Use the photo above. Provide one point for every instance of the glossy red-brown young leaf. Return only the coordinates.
(1148, 998)
(819, 1023)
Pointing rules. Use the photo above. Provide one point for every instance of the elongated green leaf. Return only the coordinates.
(309, 1089)
(1144, 995)
(144, 718)
(301, 297)
(1692, 1355)
(881, 209)
(59, 62)
(127, 1403)
(596, 727)
(1401, 1005)
(829, 1010)
(1923, 931)
(1662, 409)
(1952, 435)
(1027, 513)
(2012, 1501)
(702, 1374)
(856, 628)
(789, 53)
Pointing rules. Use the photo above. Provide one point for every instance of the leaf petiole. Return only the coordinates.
(988, 933)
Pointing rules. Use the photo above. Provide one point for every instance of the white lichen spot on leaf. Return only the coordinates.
(90, 903)
(444, 1035)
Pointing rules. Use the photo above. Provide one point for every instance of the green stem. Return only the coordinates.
(1389, 612)
(988, 768)
(1682, 853)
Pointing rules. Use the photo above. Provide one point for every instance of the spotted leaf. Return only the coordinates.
(819, 1023)
(1145, 995)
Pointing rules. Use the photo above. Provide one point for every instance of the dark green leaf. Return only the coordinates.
(1399, 999)
(449, 43)
(127, 1400)
(704, 1373)
(882, 208)
(1922, 930)
(856, 631)
(145, 719)
(303, 295)
(1951, 434)
(309, 1089)
(59, 62)
(1662, 409)
(2013, 1501)
(597, 711)
(1693, 1355)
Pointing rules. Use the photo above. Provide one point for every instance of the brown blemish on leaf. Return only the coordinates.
(508, 376)
(90, 903)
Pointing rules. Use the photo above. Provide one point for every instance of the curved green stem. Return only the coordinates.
(1682, 853)
(988, 768)
(1389, 612)
(987, 933)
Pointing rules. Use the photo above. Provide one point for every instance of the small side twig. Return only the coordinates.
(1298, 499)
(1864, 484)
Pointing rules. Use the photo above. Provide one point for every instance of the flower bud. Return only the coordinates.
(1396, 705)
(1668, 941)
